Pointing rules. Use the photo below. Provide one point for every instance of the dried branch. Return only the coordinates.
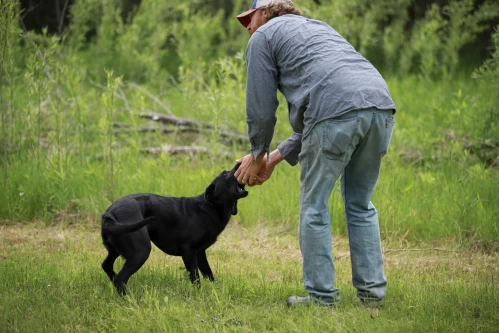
(98, 85)
(172, 120)
(171, 150)
(61, 19)
(226, 136)
(154, 98)
(183, 125)
(225, 132)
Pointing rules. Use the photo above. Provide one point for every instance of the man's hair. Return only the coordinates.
(275, 9)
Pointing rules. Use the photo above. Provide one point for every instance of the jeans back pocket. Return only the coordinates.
(387, 137)
(338, 136)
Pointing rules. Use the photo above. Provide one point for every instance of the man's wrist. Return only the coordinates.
(275, 157)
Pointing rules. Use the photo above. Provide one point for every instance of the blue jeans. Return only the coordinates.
(350, 146)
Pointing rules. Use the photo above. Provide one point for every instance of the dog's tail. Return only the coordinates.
(111, 226)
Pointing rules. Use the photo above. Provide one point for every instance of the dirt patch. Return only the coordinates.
(270, 244)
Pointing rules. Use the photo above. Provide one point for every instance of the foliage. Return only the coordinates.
(438, 38)
(490, 68)
(384, 32)
(161, 38)
(488, 77)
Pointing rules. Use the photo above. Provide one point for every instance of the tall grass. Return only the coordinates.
(64, 159)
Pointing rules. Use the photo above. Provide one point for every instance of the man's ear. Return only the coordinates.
(208, 194)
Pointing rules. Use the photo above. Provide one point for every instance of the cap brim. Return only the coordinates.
(245, 18)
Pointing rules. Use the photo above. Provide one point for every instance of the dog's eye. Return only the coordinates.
(224, 172)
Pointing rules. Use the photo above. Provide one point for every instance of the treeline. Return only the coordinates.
(148, 39)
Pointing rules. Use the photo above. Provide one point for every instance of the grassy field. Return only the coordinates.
(437, 200)
(73, 138)
(52, 282)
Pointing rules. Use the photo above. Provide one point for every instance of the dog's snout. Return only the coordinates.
(234, 169)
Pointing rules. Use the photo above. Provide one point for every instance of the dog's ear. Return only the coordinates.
(233, 210)
(208, 194)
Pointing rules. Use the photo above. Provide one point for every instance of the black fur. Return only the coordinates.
(180, 226)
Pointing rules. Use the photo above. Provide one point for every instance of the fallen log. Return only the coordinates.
(227, 137)
(178, 121)
(172, 150)
(155, 129)
(172, 120)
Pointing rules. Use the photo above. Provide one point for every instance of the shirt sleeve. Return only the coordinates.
(261, 94)
(290, 149)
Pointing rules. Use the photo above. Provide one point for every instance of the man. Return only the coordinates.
(342, 116)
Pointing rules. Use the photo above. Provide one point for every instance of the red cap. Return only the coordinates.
(245, 18)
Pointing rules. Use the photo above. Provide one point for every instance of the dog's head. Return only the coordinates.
(225, 190)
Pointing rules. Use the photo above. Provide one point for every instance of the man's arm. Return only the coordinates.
(291, 148)
(261, 94)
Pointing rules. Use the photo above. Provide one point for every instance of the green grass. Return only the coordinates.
(63, 163)
(52, 282)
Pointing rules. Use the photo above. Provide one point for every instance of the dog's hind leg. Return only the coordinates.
(204, 267)
(131, 266)
(135, 253)
(191, 264)
(108, 263)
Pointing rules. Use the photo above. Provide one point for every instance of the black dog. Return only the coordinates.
(178, 226)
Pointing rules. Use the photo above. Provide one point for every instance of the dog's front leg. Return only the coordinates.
(204, 267)
(191, 264)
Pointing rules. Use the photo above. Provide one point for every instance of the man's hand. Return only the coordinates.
(265, 170)
(248, 170)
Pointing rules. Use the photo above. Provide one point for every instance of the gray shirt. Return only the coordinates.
(319, 73)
